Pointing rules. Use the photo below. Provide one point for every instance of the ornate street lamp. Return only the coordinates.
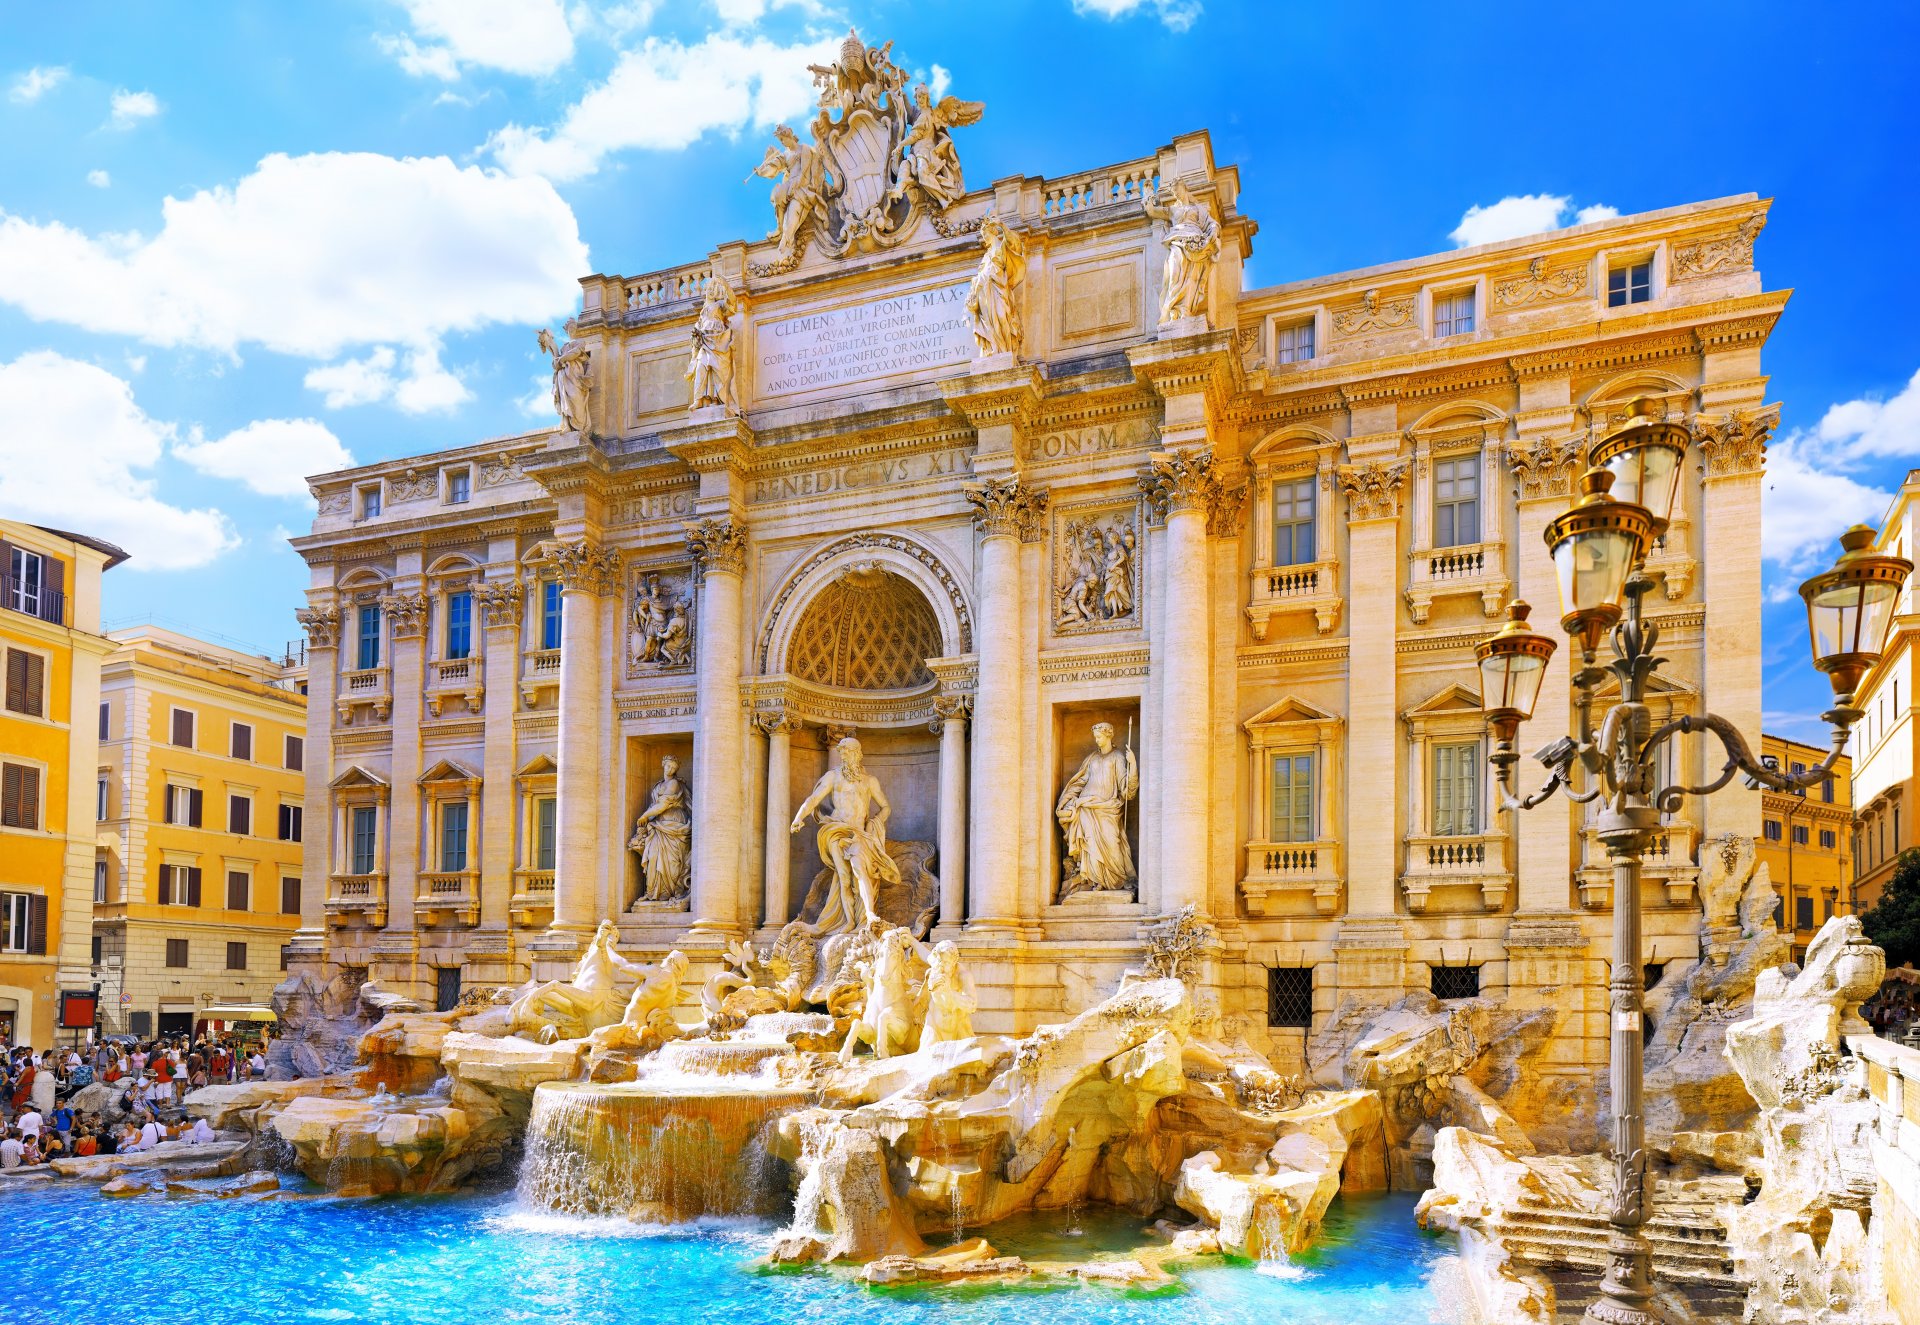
(1599, 549)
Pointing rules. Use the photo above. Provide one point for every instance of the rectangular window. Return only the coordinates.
(370, 502)
(100, 801)
(459, 486)
(1456, 981)
(1826, 791)
(1771, 828)
(550, 614)
(236, 956)
(369, 638)
(286, 957)
(1292, 803)
(446, 988)
(1293, 343)
(182, 806)
(1803, 913)
(23, 923)
(291, 822)
(453, 835)
(106, 716)
(295, 758)
(459, 624)
(1800, 835)
(179, 885)
(1293, 512)
(99, 881)
(1630, 283)
(177, 953)
(183, 728)
(239, 815)
(1456, 789)
(1290, 996)
(1798, 768)
(1456, 501)
(546, 818)
(240, 741)
(26, 683)
(19, 796)
(238, 885)
(33, 584)
(1453, 313)
(290, 896)
(1827, 839)
(363, 838)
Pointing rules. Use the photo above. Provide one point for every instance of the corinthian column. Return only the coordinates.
(587, 572)
(719, 550)
(1185, 493)
(1005, 512)
(950, 720)
(406, 615)
(1373, 493)
(779, 865)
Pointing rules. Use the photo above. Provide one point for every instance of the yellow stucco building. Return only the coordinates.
(1886, 745)
(1806, 841)
(200, 790)
(52, 646)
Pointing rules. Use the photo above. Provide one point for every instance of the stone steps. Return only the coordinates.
(1683, 1249)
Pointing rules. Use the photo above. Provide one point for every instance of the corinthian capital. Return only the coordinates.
(406, 614)
(501, 602)
(1008, 506)
(585, 566)
(1176, 481)
(322, 625)
(1547, 466)
(718, 547)
(1735, 443)
(1373, 490)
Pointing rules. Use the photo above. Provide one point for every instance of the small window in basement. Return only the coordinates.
(1456, 981)
(1290, 996)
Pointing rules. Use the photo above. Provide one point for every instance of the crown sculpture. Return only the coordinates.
(877, 162)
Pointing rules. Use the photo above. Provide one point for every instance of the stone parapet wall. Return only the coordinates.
(1893, 1080)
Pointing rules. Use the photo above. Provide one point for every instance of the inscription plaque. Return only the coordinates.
(880, 338)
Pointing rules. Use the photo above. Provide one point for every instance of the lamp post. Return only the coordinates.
(1599, 550)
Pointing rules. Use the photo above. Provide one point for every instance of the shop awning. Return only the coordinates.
(237, 1012)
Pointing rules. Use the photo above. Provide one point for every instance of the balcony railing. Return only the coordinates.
(448, 897)
(364, 685)
(455, 676)
(667, 287)
(42, 601)
(1477, 860)
(539, 670)
(1276, 590)
(1667, 864)
(1471, 568)
(532, 902)
(1286, 877)
(357, 898)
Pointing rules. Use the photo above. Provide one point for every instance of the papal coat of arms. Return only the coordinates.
(878, 160)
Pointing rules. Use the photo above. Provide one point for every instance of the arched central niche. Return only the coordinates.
(868, 629)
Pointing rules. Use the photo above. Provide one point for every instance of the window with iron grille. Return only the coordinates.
(1290, 996)
(446, 988)
(1651, 973)
(1456, 981)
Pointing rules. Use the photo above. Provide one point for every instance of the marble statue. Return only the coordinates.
(676, 635)
(1116, 600)
(570, 386)
(852, 840)
(799, 192)
(996, 298)
(931, 163)
(649, 621)
(950, 1007)
(1092, 811)
(648, 1019)
(886, 1019)
(710, 367)
(663, 837)
(1193, 242)
(572, 1009)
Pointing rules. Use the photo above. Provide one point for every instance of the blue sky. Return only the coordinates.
(240, 242)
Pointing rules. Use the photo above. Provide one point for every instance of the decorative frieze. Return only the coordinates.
(1734, 443)
(584, 566)
(412, 486)
(1373, 490)
(660, 619)
(1541, 286)
(1008, 507)
(719, 547)
(322, 625)
(500, 470)
(406, 614)
(332, 503)
(1719, 255)
(1373, 313)
(1546, 466)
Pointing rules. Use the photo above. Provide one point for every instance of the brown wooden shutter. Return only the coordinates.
(166, 885)
(296, 753)
(194, 803)
(193, 885)
(29, 797)
(236, 890)
(37, 925)
(24, 678)
(10, 781)
(53, 590)
(183, 728)
(290, 897)
(166, 804)
(242, 741)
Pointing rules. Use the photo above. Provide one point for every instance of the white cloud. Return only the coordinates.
(1523, 214)
(1178, 15)
(129, 108)
(100, 179)
(942, 80)
(745, 13)
(1858, 430)
(271, 456)
(665, 96)
(516, 36)
(314, 255)
(75, 451)
(423, 388)
(36, 83)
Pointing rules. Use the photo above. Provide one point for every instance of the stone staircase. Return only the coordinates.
(1690, 1254)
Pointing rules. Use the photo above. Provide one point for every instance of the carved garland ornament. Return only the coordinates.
(1735, 443)
(719, 547)
(1711, 257)
(1008, 507)
(502, 469)
(585, 566)
(412, 486)
(888, 542)
(1546, 467)
(322, 625)
(407, 614)
(1191, 481)
(1373, 490)
(1370, 314)
(1540, 286)
(332, 503)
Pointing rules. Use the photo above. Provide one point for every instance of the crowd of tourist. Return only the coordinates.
(1891, 1010)
(43, 1094)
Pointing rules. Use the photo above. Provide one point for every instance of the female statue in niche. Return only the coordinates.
(663, 836)
(1092, 811)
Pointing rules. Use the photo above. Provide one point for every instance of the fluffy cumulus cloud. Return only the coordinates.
(422, 387)
(272, 456)
(516, 36)
(77, 452)
(1178, 15)
(665, 96)
(313, 256)
(100, 179)
(131, 108)
(1523, 214)
(1824, 478)
(36, 83)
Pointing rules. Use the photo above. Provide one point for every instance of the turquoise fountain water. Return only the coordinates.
(72, 1256)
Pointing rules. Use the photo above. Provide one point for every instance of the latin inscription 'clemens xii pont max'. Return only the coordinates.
(898, 334)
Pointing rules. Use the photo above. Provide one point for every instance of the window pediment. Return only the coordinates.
(357, 777)
(449, 771)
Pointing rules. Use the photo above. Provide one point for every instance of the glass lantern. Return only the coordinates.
(1850, 610)
(1595, 546)
(1645, 457)
(1513, 662)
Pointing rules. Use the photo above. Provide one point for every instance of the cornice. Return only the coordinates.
(1000, 396)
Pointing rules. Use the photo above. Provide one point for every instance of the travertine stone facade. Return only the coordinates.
(1327, 504)
(1886, 745)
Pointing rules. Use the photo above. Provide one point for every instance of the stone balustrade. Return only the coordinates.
(1469, 569)
(1277, 590)
(1667, 864)
(1100, 188)
(532, 900)
(1477, 860)
(448, 897)
(357, 898)
(539, 670)
(1282, 875)
(455, 676)
(667, 287)
(365, 685)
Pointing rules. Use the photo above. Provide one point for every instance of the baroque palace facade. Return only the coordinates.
(968, 474)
